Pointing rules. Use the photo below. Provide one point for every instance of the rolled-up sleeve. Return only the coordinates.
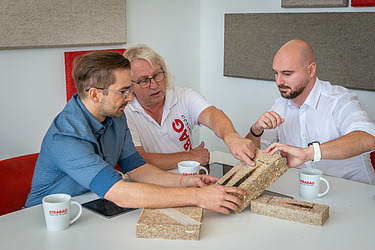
(351, 117)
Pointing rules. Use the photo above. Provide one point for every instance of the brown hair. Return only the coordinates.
(95, 69)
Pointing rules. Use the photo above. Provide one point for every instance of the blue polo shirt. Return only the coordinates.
(79, 154)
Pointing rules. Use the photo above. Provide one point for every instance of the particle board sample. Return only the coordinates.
(290, 209)
(254, 180)
(180, 223)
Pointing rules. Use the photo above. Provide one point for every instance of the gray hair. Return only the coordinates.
(144, 52)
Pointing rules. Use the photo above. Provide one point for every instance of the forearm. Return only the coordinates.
(166, 161)
(153, 175)
(255, 139)
(347, 146)
(143, 195)
(216, 120)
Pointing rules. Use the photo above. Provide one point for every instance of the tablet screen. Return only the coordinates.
(106, 208)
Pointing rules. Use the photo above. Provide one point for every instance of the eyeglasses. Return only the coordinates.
(145, 82)
(125, 92)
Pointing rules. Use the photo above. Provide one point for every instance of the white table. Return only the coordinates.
(351, 225)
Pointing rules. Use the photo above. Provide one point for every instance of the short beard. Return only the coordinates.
(293, 93)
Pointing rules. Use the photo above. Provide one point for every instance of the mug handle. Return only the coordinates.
(325, 180)
(72, 202)
(205, 169)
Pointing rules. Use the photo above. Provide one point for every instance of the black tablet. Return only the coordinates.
(106, 208)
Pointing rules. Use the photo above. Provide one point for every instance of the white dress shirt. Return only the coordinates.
(329, 112)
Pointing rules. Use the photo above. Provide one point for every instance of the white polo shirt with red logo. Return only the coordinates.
(181, 110)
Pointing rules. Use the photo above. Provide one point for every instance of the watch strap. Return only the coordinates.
(317, 153)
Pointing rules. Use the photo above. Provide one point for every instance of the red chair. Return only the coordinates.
(372, 157)
(16, 175)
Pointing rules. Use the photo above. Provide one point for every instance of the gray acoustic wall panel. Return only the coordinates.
(344, 44)
(56, 23)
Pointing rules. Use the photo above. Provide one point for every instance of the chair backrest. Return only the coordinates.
(372, 156)
(16, 175)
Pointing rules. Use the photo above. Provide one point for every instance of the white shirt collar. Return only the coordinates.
(313, 97)
(170, 101)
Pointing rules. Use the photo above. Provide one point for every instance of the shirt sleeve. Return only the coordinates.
(195, 103)
(350, 115)
(133, 128)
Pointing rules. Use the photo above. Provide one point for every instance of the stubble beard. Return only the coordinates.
(293, 93)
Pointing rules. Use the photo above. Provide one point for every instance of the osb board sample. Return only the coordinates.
(180, 223)
(53, 23)
(290, 209)
(254, 180)
(342, 41)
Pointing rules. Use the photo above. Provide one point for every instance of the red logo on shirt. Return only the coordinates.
(179, 127)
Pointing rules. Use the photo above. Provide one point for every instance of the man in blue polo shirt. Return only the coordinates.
(90, 136)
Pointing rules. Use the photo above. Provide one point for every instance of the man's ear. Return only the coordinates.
(94, 95)
(311, 69)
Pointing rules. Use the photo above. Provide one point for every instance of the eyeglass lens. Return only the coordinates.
(144, 83)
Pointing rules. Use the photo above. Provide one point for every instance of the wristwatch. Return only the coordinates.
(317, 153)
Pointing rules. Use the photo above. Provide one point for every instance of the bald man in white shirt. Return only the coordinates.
(313, 123)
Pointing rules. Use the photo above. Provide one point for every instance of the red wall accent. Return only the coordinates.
(69, 58)
(362, 3)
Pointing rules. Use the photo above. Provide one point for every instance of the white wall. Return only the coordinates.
(243, 100)
(33, 80)
(188, 33)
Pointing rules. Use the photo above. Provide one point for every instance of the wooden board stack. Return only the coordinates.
(290, 209)
(254, 180)
(180, 223)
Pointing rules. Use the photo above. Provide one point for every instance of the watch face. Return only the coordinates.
(311, 143)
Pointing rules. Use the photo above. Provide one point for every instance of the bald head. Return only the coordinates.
(295, 70)
(298, 50)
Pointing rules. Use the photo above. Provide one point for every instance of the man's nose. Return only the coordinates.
(153, 83)
(129, 97)
(278, 79)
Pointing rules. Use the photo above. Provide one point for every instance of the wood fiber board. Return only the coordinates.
(254, 180)
(290, 209)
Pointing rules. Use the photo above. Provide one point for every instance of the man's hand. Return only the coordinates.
(219, 123)
(213, 197)
(241, 148)
(197, 180)
(269, 120)
(219, 198)
(200, 154)
(294, 156)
